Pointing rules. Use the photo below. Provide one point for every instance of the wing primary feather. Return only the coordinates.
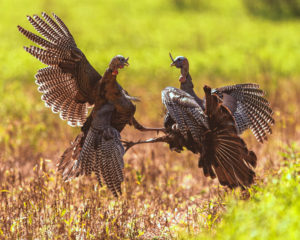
(69, 72)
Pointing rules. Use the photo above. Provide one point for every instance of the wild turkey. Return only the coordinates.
(211, 126)
(245, 101)
(70, 85)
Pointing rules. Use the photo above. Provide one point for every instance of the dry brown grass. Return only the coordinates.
(163, 191)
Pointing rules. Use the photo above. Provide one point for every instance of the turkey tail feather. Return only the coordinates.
(224, 154)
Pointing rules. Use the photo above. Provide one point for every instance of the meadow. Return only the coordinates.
(165, 195)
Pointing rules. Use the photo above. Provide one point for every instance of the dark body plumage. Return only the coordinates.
(210, 126)
(211, 133)
(102, 150)
(245, 101)
(229, 111)
(70, 85)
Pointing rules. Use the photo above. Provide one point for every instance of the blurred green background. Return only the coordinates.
(226, 42)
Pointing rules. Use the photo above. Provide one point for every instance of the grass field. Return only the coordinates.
(165, 195)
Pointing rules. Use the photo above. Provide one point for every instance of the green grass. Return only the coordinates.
(221, 40)
(272, 211)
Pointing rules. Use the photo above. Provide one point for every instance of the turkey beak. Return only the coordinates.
(126, 62)
(172, 59)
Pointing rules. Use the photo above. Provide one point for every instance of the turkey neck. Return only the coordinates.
(109, 81)
(188, 87)
(108, 88)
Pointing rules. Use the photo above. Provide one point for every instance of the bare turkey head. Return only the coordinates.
(118, 62)
(182, 63)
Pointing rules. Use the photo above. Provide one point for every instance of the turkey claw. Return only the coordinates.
(128, 144)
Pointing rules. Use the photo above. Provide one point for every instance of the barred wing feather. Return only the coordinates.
(185, 111)
(69, 81)
(252, 110)
(97, 149)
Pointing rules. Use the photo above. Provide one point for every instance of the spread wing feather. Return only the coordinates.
(185, 111)
(110, 162)
(252, 110)
(68, 83)
(223, 154)
(98, 149)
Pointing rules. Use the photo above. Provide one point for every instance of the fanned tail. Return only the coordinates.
(224, 154)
